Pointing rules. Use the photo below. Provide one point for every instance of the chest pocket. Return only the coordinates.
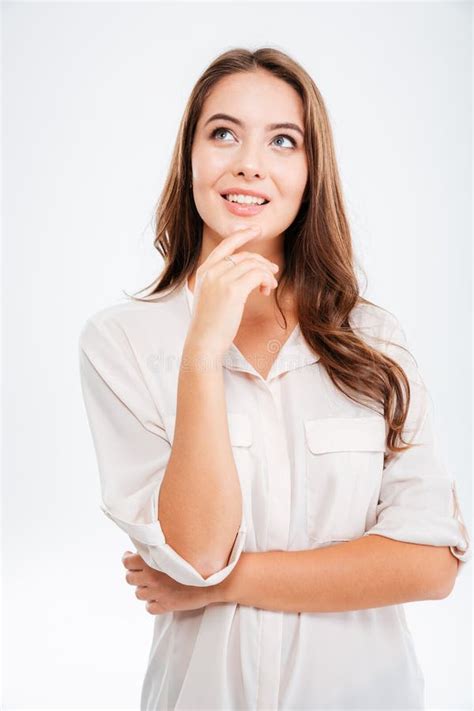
(344, 459)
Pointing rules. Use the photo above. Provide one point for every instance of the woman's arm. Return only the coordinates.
(372, 571)
(200, 503)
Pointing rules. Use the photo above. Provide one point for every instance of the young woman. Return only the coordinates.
(263, 434)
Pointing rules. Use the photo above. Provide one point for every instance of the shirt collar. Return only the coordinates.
(295, 352)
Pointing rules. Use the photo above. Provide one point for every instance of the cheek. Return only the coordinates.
(296, 176)
(207, 165)
(290, 175)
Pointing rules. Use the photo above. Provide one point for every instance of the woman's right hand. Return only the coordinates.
(221, 290)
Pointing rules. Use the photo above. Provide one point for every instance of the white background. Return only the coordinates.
(92, 97)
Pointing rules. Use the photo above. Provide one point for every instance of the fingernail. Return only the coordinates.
(275, 267)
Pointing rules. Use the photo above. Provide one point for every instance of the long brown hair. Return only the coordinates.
(318, 253)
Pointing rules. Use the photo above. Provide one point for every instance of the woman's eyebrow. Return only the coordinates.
(270, 127)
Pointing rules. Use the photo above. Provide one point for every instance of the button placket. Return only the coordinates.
(279, 510)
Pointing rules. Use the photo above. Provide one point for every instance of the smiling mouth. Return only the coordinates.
(236, 202)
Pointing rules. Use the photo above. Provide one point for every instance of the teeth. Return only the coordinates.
(246, 199)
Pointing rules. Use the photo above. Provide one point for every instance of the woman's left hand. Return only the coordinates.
(162, 593)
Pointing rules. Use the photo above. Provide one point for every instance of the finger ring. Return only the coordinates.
(229, 258)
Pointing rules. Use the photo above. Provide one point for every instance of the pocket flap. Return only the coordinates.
(240, 428)
(339, 434)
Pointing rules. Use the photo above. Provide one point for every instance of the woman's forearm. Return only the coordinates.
(200, 501)
(371, 571)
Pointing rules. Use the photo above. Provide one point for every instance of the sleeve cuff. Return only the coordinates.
(435, 529)
(462, 552)
(149, 540)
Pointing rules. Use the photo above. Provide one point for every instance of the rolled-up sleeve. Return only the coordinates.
(132, 449)
(418, 500)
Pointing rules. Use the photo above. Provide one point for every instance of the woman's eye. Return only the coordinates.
(221, 130)
(288, 138)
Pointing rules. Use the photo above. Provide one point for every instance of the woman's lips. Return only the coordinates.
(237, 208)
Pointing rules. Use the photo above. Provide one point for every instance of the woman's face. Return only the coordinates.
(247, 153)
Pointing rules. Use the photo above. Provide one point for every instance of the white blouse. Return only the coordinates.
(311, 469)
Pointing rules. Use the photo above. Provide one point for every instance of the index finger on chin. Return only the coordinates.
(235, 239)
